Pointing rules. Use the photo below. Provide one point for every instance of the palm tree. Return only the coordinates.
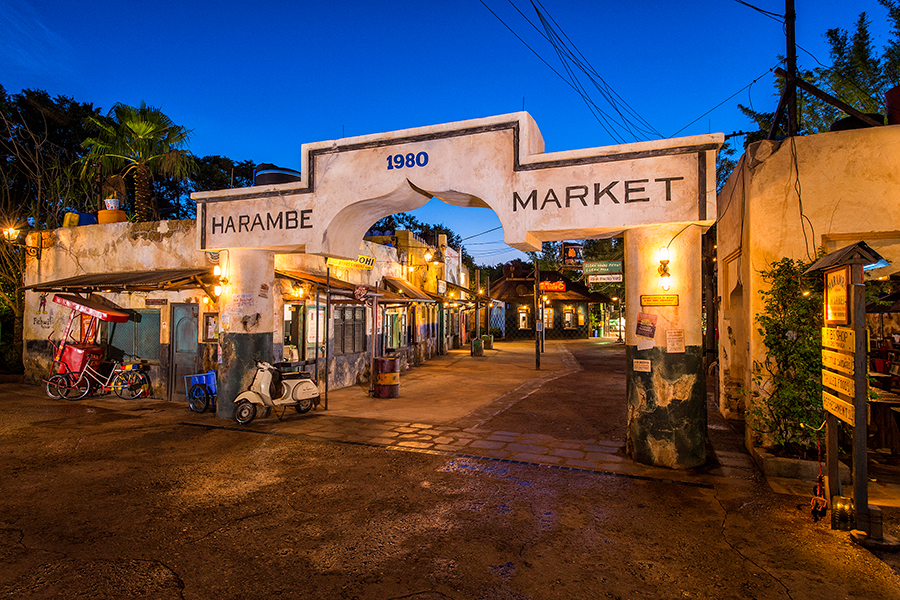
(139, 141)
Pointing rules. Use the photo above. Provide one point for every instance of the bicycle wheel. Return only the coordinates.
(77, 387)
(54, 383)
(198, 398)
(130, 385)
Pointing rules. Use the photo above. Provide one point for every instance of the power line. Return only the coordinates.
(726, 99)
(771, 15)
(482, 233)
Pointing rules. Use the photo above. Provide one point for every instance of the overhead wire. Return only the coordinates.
(772, 68)
(541, 58)
(771, 15)
(613, 97)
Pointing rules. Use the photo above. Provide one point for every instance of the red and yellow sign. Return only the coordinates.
(553, 286)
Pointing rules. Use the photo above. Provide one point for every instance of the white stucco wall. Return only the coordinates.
(848, 186)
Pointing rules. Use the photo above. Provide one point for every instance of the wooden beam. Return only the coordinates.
(808, 87)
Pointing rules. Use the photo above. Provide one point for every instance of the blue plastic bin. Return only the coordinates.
(208, 378)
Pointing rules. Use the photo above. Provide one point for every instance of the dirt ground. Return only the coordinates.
(105, 499)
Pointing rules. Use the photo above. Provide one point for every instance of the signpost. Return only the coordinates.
(845, 367)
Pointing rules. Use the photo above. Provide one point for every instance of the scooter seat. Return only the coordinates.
(292, 376)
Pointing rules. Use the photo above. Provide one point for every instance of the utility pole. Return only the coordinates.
(790, 19)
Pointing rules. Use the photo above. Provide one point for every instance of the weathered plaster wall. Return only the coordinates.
(117, 247)
(849, 185)
(92, 249)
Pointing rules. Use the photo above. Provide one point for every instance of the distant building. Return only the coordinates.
(565, 305)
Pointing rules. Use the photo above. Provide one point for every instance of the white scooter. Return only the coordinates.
(272, 388)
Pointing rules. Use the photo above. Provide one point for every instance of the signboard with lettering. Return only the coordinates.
(836, 283)
(838, 361)
(553, 286)
(841, 409)
(839, 338)
(602, 267)
(839, 383)
(613, 278)
(363, 262)
(349, 183)
(660, 300)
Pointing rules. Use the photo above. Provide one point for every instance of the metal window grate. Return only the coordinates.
(136, 337)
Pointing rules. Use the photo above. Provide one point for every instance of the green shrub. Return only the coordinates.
(788, 383)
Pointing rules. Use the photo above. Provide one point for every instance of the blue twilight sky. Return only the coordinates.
(256, 80)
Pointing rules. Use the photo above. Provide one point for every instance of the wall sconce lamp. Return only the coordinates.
(12, 237)
(665, 278)
(298, 289)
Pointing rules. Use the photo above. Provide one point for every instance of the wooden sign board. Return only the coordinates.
(660, 300)
(836, 307)
(839, 338)
(838, 361)
(839, 383)
(839, 408)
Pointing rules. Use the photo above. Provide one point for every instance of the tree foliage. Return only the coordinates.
(857, 74)
(139, 142)
(789, 381)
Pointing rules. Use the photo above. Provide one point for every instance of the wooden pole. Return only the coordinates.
(860, 400)
(537, 332)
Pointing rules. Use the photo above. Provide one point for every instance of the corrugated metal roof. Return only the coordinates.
(408, 290)
(164, 279)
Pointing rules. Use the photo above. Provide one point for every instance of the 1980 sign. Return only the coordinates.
(399, 161)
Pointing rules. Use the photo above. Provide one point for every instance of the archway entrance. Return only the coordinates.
(661, 194)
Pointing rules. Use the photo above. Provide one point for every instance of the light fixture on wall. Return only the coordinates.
(665, 278)
(13, 237)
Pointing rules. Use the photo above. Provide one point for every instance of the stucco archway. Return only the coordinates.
(651, 190)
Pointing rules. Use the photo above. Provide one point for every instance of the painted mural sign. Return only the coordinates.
(836, 282)
(496, 162)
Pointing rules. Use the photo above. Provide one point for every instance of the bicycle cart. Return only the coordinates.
(202, 391)
(74, 371)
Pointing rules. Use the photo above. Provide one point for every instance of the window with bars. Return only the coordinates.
(137, 337)
(349, 329)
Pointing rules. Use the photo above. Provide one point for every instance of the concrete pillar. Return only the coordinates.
(666, 384)
(246, 321)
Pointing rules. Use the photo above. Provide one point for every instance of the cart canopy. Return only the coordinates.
(92, 308)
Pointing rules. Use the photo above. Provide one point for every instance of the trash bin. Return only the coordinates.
(477, 347)
(488, 341)
(387, 377)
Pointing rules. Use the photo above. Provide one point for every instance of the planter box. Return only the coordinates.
(794, 468)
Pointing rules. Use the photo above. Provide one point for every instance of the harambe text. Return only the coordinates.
(291, 219)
